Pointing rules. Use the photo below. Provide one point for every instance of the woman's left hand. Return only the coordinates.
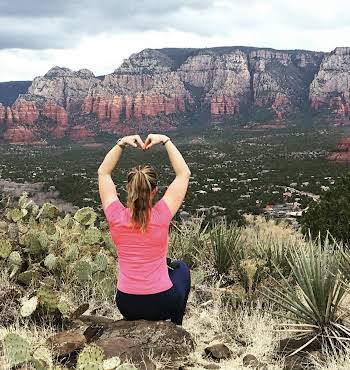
(133, 140)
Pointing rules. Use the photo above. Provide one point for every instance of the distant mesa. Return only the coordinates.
(165, 88)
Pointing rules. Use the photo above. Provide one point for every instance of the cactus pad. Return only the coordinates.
(28, 277)
(48, 298)
(111, 363)
(50, 261)
(49, 226)
(15, 259)
(5, 248)
(107, 287)
(16, 214)
(85, 216)
(83, 270)
(48, 210)
(43, 357)
(17, 350)
(29, 306)
(92, 235)
(126, 367)
(90, 355)
(101, 262)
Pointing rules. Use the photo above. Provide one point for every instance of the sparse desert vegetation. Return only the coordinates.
(259, 292)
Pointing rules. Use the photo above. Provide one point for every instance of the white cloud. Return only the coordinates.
(283, 24)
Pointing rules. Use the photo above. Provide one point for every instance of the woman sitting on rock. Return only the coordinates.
(147, 287)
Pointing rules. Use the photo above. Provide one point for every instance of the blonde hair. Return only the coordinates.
(141, 181)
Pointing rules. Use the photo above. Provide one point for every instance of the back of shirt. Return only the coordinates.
(141, 256)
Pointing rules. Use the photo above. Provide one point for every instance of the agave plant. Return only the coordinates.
(314, 303)
(224, 243)
(187, 242)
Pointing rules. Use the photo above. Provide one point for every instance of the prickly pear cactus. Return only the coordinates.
(85, 216)
(91, 357)
(16, 214)
(15, 259)
(29, 306)
(50, 261)
(83, 270)
(71, 253)
(126, 367)
(5, 248)
(17, 350)
(49, 226)
(106, 287)
(29, 277)
(38, 243)
(65, 306)
(109, 243)
(24, 202)
(48, 298)
(92, 235)
(111, 363)
(48, 210)
(42, 358)
(15, 262)
(101, 262)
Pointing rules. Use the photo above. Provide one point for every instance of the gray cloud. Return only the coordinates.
(38, 24)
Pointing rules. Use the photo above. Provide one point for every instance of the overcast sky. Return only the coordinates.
(98, 34)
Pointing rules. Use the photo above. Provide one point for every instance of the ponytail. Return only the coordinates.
(141, 182)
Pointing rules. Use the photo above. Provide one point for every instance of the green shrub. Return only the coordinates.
(331, 213)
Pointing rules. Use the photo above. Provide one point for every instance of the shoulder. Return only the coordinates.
(113, 209)
(163, 210)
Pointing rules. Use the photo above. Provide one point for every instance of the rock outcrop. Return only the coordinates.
(164, 88)
(343, 151)
(330, 90)
(128, 340)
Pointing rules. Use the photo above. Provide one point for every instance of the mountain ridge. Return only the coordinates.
(163, 88)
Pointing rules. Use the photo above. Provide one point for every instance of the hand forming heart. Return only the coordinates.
(136, 141)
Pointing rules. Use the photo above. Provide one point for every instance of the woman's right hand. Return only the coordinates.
(153, 139)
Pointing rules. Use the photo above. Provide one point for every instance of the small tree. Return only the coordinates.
(331, 213)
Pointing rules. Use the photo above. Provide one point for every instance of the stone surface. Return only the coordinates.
(343, 151)
(253, 362)
(330, 88)
(66, 342)
(163, 88)
(126, 350)
(218, 351)
(162, 337)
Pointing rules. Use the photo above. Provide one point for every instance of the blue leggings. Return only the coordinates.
(170, 304)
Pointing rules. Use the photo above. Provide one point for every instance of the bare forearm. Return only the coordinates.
(177, 161)
(110, 161)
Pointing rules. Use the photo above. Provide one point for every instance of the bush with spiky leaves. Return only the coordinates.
(224, 244)
(314, 303)
(188, 241)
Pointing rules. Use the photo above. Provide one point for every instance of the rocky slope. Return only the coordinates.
(165, 88)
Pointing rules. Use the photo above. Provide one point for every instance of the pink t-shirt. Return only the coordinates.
(141, 257)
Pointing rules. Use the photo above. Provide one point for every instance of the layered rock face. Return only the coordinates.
(160, 89)
(330, 89)
(343, 151)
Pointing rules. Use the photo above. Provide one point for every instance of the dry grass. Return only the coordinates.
(210, 316)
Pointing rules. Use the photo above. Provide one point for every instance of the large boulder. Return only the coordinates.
(128, 340)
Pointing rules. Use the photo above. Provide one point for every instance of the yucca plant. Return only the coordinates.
(224, 243)
(316, 309)
(276, 252)
(187, 241)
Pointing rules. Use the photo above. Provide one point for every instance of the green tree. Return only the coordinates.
(331, 213)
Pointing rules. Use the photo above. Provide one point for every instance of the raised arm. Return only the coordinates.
(176, 191)
(106, 187)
